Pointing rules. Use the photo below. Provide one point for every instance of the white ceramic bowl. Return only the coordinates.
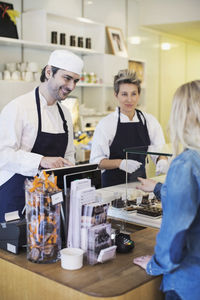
(71, 258)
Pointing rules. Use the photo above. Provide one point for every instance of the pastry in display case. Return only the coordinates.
(146, 205)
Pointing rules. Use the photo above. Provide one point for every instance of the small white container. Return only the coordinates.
(32, 67)
(28, 76)
(6, 75)
(71, 258)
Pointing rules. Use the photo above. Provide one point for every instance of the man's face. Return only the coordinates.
(61, 84)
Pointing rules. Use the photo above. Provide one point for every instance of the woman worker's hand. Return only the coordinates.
(129, 165)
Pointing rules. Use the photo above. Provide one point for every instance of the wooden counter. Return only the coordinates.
(118, 279)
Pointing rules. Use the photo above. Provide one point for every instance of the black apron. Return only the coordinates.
(127, 135)
(12, 193)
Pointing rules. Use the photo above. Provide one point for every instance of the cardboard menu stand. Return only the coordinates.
(7, 26)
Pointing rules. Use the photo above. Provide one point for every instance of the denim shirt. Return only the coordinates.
(157, 190)
(177, 250)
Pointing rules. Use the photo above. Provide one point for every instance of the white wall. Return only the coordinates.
(108, 12)
(192, 62)
(111, 13)
(168, 11)
(172, 75)
(71, 8)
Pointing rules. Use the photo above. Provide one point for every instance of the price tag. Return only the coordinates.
(57, 198)
(106, 254)
(151, 196)
(11, 216)
(139, 200)
(11, 248)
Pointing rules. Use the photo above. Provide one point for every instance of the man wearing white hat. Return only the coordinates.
(36, 130)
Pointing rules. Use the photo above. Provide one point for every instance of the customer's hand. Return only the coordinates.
(48, 162)
(129, 165)
(162, 166)
(142, 261)
(146, 185)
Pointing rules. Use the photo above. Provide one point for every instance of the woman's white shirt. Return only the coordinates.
(18, 132)
(106, 129)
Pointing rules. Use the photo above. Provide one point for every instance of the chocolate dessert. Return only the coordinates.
(150, 211)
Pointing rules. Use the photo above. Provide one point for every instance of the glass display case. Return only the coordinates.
(132, 205)
(137, 204)
(148, 158)
(148, 162)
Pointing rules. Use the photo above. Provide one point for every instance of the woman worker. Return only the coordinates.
(177, 250)
(124, 128)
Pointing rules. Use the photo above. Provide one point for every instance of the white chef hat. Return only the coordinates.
(66, 60)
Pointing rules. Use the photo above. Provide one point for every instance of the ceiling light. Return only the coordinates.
(85, 20)
(165, 46)
(135, 40)
(89, 2)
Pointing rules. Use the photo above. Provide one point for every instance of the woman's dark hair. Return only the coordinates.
(43, 76)
(126, 76)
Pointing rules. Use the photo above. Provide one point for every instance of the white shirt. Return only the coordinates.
(106, 130)
(18, 132)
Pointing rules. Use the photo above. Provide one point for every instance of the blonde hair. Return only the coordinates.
(126, 76)
(185, 117)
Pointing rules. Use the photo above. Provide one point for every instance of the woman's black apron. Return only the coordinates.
(131, 134)
(12, 193)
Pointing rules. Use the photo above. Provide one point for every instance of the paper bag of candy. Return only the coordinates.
(43, 204)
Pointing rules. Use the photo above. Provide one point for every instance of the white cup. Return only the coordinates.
(71, 258)
(6, 75)
(1, 75)
(33, 67)
(21, 66)
(37, 76)
(28, 76)
(23, 75)
(11, 66)
(16, 75)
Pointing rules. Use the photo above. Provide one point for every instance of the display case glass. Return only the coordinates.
(148, 157)
(131, 204)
